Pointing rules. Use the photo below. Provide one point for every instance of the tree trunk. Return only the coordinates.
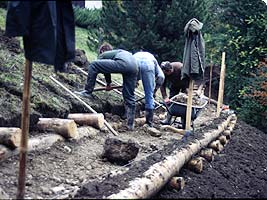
(64, 127)
(91, 119)
(10, 137)
(158, 174)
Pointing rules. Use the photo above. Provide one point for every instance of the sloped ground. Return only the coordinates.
(60, 170)
(239, 171)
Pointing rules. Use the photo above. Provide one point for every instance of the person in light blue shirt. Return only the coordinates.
(152, 78)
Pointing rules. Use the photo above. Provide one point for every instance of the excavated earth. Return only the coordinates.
(76, 169)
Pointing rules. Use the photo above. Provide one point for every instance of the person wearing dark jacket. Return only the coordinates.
(115, 61)
(172, 72)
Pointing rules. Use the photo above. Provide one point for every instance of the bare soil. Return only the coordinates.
(70, 168)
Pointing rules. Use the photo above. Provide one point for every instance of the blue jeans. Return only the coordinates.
(147, 71)
(128, 69)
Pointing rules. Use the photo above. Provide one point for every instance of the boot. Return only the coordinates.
(130, 117)
(149, 117)
(166, 121)
(124, 116)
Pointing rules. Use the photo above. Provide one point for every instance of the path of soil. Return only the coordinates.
(239, 171)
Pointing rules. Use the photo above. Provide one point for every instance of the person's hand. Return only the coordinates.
(108, 88)
(167, 100)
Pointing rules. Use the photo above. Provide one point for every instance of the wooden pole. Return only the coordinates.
(98, 81)
(24, 129)
(137, 93)
(211, 66)
(189, 105)
(221, 86)
(86, 105)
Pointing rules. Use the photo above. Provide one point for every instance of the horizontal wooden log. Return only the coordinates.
(10, 137)
(172, 129)
(158, 174)
(90, 119)
(36, 143)
(64, 127)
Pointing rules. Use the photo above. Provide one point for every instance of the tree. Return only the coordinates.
(244, 39)
(153, 25)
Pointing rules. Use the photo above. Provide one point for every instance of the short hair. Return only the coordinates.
(166, 66)
(105, 47)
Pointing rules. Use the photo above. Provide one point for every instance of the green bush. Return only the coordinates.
(87, 18)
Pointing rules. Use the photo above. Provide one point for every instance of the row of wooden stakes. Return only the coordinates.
(207, 154)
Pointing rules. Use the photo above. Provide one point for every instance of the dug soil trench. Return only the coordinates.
(67, 168)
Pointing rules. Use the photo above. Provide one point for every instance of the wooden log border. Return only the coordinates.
(44, 141)
(160, 173)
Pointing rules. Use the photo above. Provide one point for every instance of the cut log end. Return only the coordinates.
(64, 127)
(176, 183)
(196, 165)
(10, 137)
(208, 154)
(91, 119)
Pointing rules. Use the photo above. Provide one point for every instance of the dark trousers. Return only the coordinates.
(129, 73)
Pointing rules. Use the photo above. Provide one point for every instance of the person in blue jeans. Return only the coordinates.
(115, 61)
(152, 78)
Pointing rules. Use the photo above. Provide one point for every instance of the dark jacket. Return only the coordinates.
(47, 28)
(194, 51)
(173, 81)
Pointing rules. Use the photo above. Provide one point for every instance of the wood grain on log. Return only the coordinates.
(64, 127)
(196, 165)
(222, 139)
(91, 119)
(176, 183)
(227, 134)
(10, 137)
(207, 154)
(216, 145)
(158, 174)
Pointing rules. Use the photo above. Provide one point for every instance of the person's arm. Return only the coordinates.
(159, 77)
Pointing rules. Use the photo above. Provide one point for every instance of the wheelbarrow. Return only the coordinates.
(178, 109)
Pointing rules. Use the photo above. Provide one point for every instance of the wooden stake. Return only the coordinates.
(211, 66)
(189, 105)
(221, 86)
(85, 104)
(24, 129)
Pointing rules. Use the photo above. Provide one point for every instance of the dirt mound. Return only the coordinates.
(10, 43)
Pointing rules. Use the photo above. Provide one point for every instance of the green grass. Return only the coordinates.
(2, 18)
(81, 36)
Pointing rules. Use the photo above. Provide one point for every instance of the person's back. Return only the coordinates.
(115, 61)
(172, 72)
